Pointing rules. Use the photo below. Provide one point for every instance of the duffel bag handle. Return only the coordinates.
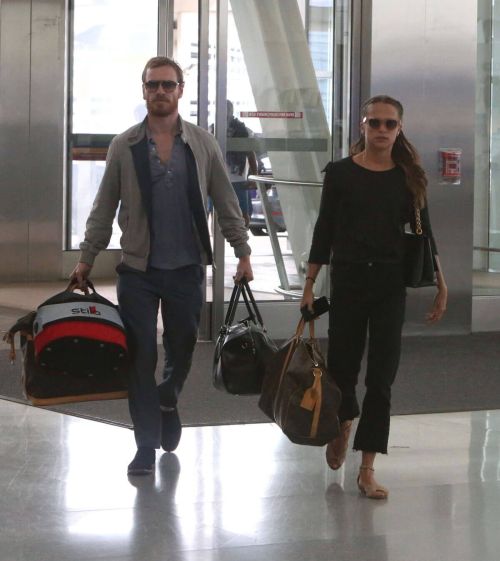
(312, 337)
(252, 308)
(72, 286)
(301, 326)
(233, 303)
(241, 288)
(295, 341)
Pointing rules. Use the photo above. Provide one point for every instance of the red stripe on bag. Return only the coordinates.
(89, 330)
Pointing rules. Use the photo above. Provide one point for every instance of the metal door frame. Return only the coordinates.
(165, 47)
(344, 99)
(358, 73)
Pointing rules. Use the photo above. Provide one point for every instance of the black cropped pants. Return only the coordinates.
(367, 298)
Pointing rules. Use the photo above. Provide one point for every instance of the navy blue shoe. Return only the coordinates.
(143, 462)
(171, 429)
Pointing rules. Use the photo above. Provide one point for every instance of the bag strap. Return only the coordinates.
(293, 344)
(300, 330)
(242, 288)
(291, 350)
(301, 326)
(23, 325)
(418, 220)
(233, 303)
(247, 305)
(252, 308)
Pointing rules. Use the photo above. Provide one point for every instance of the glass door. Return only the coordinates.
(280, 67)
(111, 40)
(287, 84)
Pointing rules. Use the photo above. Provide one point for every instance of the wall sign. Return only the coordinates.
(450, 163)
(273, 114)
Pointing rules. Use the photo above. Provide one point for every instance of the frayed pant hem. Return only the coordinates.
(371, 451)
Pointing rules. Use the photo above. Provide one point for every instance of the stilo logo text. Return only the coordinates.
(90, 311)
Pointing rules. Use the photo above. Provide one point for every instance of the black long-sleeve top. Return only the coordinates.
(362, 215)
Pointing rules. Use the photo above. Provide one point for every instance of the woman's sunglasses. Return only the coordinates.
(390, 124)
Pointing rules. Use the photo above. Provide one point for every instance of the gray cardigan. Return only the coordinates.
(120, 185)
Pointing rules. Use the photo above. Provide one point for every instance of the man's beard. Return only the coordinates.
(158, 110)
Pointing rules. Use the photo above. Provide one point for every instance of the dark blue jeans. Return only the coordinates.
(367, 298)
(140, 294)
(244, 198)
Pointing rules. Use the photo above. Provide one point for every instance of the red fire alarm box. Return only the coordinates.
(450, 160)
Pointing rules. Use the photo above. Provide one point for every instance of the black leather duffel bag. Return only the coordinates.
(242, 349)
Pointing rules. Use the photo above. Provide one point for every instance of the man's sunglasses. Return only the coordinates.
(167, 85)
(390, 124)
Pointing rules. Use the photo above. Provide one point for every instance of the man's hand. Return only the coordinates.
(80, 275)
(244, 269)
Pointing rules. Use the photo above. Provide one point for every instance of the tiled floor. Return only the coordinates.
(244, 492)
(240, 493)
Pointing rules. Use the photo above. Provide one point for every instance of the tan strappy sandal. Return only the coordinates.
(374, 491)
(336, 449)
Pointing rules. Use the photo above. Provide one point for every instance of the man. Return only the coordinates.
(160, 172)
(238, 168)
(239, 164)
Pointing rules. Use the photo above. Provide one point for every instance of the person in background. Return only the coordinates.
(366, 201)
(239, 164)
(160, 172)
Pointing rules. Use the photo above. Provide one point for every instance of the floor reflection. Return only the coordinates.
(245, 493)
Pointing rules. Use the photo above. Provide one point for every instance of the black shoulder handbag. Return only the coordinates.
(419, 266)
(243, 349)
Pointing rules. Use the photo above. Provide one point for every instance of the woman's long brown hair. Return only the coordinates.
(404, 154)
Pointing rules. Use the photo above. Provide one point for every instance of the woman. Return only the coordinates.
(366, 201)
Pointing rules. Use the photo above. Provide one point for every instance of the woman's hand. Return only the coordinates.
(308, 294)
(307, 298)
(439, 306)
(440, 300)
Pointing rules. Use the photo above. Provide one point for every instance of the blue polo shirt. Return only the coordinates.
(173, 239)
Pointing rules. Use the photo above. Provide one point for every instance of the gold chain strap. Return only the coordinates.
(418, 222)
